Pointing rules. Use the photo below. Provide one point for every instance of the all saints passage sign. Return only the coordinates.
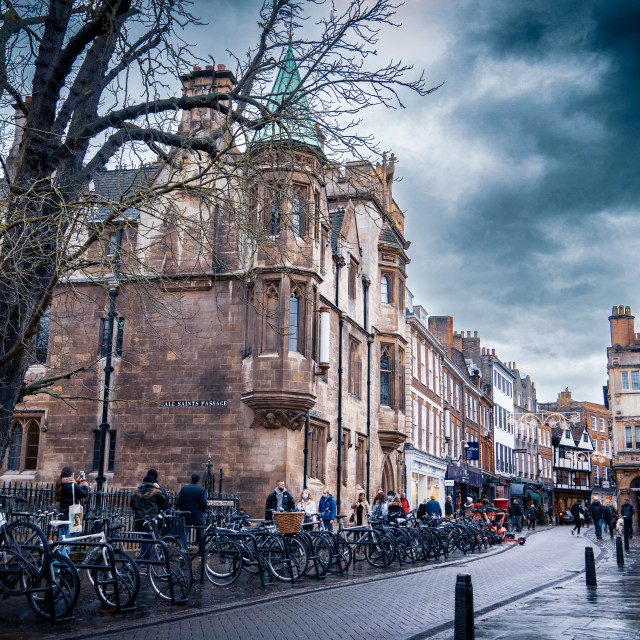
(194, 403)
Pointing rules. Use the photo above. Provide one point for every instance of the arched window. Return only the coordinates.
(33, 442)
(296, 216)
(294, 322)
(384, 290)
(15, 448)
(385, 377)
(274, 219)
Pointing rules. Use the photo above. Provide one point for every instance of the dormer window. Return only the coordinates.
(585, 437)
(567, 433)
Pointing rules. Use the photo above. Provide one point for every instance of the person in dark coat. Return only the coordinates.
(596, 511)
(433, 508)
(610, 518)
(627, 511)
(516, 515)
(67, 487)
(448, 508)
(532, 515)
(577, 512)
(422, 509)
(154, 474)
(279, 500)
(147, 501)
(193, 498)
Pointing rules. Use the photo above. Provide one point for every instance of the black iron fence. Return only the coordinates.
(40, 496)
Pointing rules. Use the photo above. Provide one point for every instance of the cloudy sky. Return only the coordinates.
(520, 175)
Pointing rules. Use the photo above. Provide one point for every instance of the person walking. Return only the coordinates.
(596, 511)
(379, 508)
(69, 490)
(550, 512)
(532, 516)
(578, 513)
(448, 508)
(627, 511)
(468, 507)
(610, 518)
(433, 508)
(327, 509)
(146, 502)
(361, 509)
(193, 498)
(516, 515)
(279, 500)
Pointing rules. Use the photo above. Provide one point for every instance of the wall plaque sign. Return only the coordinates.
(194, 403)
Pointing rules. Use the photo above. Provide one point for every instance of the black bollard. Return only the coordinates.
(627, 533)
(590, 566)
(464, 627)
(619, 552)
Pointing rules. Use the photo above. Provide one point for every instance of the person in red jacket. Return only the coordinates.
(404, 503)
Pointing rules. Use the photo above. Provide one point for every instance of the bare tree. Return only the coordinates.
(93, 83)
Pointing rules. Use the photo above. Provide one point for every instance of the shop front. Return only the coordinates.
(463, 483)
(425, 477)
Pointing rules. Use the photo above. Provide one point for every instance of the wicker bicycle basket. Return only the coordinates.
(289, 521)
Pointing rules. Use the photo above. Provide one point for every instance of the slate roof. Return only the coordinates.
(297, 125)
(336, 217)
(116, 185)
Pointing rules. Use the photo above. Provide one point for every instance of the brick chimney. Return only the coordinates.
(457, 341)
(442, 329)
(564, 398)
(622, 326)
(471, 346)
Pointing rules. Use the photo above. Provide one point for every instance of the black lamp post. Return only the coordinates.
(114, 289)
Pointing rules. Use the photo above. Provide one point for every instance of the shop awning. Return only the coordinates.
(464, 476)
(516, 490)
(534, 496)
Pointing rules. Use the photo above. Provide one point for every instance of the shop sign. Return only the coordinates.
(221, 503)
(449, 483)
(194, 403)
(472, 451)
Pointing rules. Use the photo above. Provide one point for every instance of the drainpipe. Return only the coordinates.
(306, 451)
(339, 420)
(366, 284)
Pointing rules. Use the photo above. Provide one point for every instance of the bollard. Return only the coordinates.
(627, 533)
(619, 552)
(464, 627)
(590, 566)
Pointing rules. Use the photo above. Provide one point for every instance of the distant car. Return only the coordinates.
(565, 517)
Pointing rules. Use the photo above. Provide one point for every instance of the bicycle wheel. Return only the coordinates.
(382, 553)
(24, 553)
(127, 575)
(321, 549)
(66, 588)
(279, 564)
(223, 562)
(179, 573)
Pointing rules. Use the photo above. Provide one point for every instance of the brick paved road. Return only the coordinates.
(398, 607)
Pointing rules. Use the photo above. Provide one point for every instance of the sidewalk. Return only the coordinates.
(571, 610)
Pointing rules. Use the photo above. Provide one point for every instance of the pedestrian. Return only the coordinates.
(448, 508)
(550, 513)
(361, 510)
(379, 508)
(627, 511)
(485, 501)
(308, 505)
(516, 515)
(69, 490)
(405, 503)
(327, 509)
(279, 500)
(596, 511)
(395, 510)
(154, 474)
(532, 516)
(193, 498)
(433, 508)
(468, 507)
(422, 510)
(610, 518)
(578, 514)
(147, 502)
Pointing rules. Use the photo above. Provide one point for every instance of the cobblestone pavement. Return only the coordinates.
(399, 607)
(571, 610)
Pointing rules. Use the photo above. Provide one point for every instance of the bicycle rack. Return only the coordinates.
(112, 566)
(141, 561)
(48, 594)
(265, 576)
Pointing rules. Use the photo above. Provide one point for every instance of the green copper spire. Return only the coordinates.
(297, 124)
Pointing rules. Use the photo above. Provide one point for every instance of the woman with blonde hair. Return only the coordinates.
(306, 503)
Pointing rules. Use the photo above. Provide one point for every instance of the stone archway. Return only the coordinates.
(388, 476)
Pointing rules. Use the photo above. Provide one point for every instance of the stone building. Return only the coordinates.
(623, 394)
(241, 376)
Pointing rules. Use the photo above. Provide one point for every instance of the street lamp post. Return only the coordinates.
(114, 288)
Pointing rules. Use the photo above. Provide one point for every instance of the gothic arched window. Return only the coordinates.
(294, 322)
(384, 290)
